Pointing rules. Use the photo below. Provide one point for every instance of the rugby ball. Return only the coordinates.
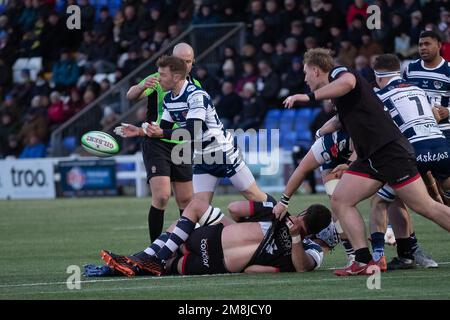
(99, 144)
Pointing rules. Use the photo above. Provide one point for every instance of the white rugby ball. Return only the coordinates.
(99, 144)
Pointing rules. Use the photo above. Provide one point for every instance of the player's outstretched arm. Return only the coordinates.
(337, 88)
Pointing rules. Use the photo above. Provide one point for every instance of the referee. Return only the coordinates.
(161, 171)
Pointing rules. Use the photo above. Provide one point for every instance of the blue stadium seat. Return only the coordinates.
(288, 114)
(288, 140)
(304, 135)
(70, 143)
(273, 114)
(271, 124)
(303, 114)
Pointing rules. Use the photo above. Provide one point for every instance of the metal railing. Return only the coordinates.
(208, 42)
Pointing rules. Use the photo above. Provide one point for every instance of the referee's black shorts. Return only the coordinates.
(394, 164)
(158, 162)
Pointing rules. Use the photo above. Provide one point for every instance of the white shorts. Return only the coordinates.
(205, 182)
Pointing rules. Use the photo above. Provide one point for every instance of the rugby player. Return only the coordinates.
(412, 113)
(384, 155)
(258, 243)
(162, 172)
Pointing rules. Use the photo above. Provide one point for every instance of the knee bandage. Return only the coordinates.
(211, 217)
(338, 227)
(330, 186)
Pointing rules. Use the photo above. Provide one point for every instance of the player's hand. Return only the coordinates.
(293, 225)
(150, 82)
(436, 114)
(339, 170)
(126, 130)
(279, 210)
(442, 111)
(153, 130)
(289, 101)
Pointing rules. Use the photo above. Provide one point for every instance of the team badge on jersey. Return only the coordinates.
(438, 85)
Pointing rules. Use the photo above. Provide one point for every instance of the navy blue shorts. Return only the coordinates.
(433, 155)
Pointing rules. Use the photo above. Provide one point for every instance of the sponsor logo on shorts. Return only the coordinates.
(153, 169)
(204, 252)
(403, 178)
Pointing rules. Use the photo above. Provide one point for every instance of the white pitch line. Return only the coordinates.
(150, 278)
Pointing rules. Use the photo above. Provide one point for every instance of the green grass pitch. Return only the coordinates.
(40, 239)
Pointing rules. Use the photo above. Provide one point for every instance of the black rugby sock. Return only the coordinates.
(155, 222)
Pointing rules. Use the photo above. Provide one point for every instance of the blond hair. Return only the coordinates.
(320, 58)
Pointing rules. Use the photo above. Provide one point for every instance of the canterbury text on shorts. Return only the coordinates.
(204, 251)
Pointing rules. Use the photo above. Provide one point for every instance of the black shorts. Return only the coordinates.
(394, 164)
(158, 162)
(205, 253)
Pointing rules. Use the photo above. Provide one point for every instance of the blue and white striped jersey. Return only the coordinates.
(435, 82)
(194, 103)
(410, 109)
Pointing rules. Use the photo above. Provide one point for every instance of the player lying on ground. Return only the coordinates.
(258, 243)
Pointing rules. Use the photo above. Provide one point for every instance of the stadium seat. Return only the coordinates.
(274, 114)
(288, 114)
(303, 114)
(288, 140)
(70, 143)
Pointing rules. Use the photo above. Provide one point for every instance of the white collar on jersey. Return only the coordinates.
(437, 67)
(183, 88)
(393, 79)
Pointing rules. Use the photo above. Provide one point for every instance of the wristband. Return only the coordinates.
(296, 239)
(311, 96)
(285, 200)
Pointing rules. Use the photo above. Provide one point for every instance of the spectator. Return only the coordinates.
(53, 37)
(87, 14)
(5, 77)
(248, 75)
(369, 47)
(293, 81)
(13, 147)
(88, 96)
(359, 7)
(109, 117)
(118, 21)
(297, 32)
(65, 72)
(23, 91)
(132, 62)
(87, 81)
(248, 52)
(268, 83)
(288, 15)
(363, 68)
(34, 148)
(205, 15)
(8, 126)
(58, 112)
(129, 29)
(229, 105)
(28, 17)
(35, 121)
(105, 23)
(259, 34)
(357, 30)
(208, 82)
(159, 36)
(75, 103)
(229, 71)
(41, 86)
(104, 54)
(347, 53)
(273, 17)
(256, 11)
(184, 16)
(416, 27)
(331, 15)
(253, 109)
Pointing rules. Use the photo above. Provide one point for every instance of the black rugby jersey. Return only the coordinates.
(364, 116)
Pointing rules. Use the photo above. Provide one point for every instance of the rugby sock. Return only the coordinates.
(181, 212)
(377, 240)
(178, 236)
(157, 244)
(404, 248)
(155, 222)
(363, 255)
(413, 242)
(348, 247)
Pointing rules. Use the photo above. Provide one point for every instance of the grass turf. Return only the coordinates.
(40, 239)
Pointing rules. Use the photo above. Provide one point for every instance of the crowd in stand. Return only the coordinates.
(113, 41)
